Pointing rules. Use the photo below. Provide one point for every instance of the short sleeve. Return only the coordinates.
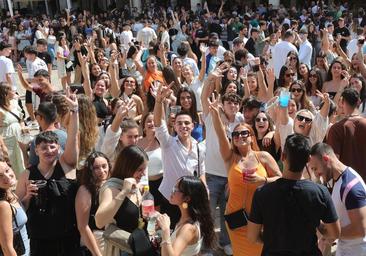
(285, 130)
(255, 213)
(356, 197)
(329, 212)
(334, 139)
(319, 128)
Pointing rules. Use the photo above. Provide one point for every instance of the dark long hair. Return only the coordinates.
(199, 207)
(193, 110)
(4, 91)
(319, 81)
(87, 177)
(128, 161)
(330, 76)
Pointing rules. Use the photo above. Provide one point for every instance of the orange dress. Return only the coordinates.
(242, 193)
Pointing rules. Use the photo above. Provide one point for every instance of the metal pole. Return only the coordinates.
(10, 6)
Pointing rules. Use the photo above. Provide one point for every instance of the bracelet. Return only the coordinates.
(74, 110)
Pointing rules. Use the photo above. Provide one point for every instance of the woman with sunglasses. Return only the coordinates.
(96, 171)
(195, 227)
(249, 168)
(313, 84)
(264, 130)
(286, 77)
(293, 62)
(313, 126)
(298, 93)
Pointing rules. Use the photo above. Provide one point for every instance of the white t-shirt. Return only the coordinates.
(279, 55)
(352, 48)
(349, 192)
(126, 38)
(6, 67)
(215, 165)
(220, 52)
(146, 35)
(34, 66)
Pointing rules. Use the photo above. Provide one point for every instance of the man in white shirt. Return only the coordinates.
(6, 64)
(126, 37)
(306, 49)
(281, 50)
(182, 51)
(146, 35)
(216, 171)
(181, 154)
(348, 196)
(34, 64)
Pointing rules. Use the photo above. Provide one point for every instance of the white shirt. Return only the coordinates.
(215, 165)
(352, 48)
(165, 38)
(279, 55)
(34, 66)
(146, 35)
(220, 52)
(305, 52)
(126, 38)
(6, 67)
(193, 64)
(177, 160)
(349, 192)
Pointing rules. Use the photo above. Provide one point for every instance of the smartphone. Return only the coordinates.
(361, 41)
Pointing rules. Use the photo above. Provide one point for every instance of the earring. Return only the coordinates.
(184, 205)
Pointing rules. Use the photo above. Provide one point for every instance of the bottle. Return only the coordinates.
(147, 203)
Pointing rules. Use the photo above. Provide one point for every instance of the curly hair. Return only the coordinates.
(88, 125)
(4, 91)
(87, 177)
(199, 207)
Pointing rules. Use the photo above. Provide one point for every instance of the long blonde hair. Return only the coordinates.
(88, 124)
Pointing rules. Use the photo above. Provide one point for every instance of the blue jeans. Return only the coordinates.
(216, 186)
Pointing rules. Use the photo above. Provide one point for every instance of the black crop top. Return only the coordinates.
(100, 107)
(127, 216)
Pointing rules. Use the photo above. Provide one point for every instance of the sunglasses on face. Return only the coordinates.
(313, 75)
(261, 119)
(296, 90)
(290, 75)
(302, 118)
(293, 58)
(244, 134)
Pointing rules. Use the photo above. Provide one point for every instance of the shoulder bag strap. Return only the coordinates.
(198, 160)
(13, 114)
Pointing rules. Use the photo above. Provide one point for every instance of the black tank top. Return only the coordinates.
(93, 209)
(100, 107)
(59, 219)
(127, 216)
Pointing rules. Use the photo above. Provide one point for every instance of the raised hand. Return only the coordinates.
(164, 92)
(214, 104)
(125, 108)
(72, 100)
(203, 48)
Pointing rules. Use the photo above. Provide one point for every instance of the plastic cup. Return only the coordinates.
(41, 198)
(175, 109)
(284, 98)
(248, 172)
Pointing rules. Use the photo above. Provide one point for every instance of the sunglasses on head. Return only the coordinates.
(244, 134)
(290, 75)
(296, 90)
(261, 119)
(302, 118)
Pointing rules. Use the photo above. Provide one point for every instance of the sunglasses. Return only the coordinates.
(130, 81)
(293, 58)
(290, 75)
(261, 119)
(313, 75)
(302, 118)
(296, 90)
(244, 134)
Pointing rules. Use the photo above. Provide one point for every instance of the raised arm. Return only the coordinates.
(225, 147)
(85, 72)
(71, 153)
(201, 75)
(221, 13)
(161, 95)
(325, 41)
(262, 87)
(22, 80)
(112, 69)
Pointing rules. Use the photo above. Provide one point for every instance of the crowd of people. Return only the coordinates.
(253, 115)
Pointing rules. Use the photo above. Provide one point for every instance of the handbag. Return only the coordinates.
(236, 219)
(117, 237)
(18, 242)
